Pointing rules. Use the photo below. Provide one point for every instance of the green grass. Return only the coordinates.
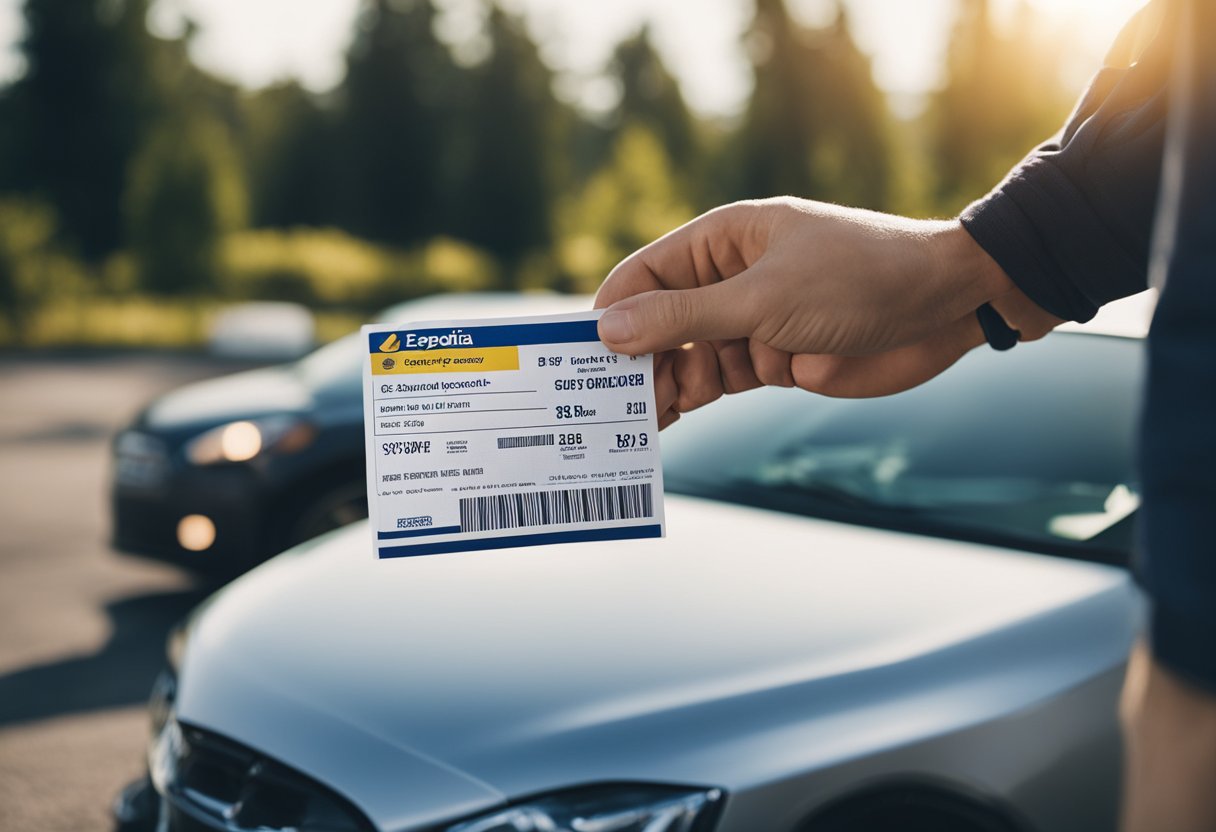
(139, 322)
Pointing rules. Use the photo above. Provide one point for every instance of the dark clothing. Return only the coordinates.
(1133, 174)
(1071, 224)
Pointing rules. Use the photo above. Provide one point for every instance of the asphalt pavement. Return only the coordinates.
(82, 628)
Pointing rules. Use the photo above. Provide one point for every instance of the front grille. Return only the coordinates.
(140, 461)
(217, 784)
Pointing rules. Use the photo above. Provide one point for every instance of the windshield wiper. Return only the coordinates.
(822, 492)
(830, 502)
(800, 498)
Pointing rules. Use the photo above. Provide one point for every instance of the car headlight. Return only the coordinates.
(606, 809)
(161, 700)
(163, 697)
(242, 441)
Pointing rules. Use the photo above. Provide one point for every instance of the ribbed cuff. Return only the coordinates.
(1038, 226)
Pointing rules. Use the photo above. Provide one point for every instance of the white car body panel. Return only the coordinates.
(777, 657)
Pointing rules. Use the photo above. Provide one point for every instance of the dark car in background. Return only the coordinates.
(219, 475)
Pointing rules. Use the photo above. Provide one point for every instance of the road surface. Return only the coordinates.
(81, 628)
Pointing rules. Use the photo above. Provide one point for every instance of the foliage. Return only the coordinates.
(395, 113)
(130, 170)
(290, 155)
(633, 201)
(185, 193)
(139, 321)
(32, 270)
(650, 96)
(1002, 96)
(92, 88)
(512, 127)
(816, 122)
(330, 268)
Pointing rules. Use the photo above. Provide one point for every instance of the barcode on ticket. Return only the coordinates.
(533, 441)
(548, 508)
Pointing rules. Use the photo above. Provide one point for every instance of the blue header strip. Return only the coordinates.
(507, 335)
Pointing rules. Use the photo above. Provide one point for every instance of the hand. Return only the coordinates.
(789, 292)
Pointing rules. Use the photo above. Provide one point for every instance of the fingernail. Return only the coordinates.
(616, 327)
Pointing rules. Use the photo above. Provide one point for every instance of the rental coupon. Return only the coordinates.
(507, 432)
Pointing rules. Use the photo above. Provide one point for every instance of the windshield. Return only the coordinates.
(1031, 448)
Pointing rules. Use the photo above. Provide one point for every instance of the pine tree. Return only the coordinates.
(634, 199)
(651, 97)
(853, 158)
(780, 128)
(91, 91)
(515, 126)
(1002, 96)
(186, 192)
(396, 113)
(816, 123)
(292, 152)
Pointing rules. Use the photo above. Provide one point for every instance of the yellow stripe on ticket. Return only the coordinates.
(481, 360)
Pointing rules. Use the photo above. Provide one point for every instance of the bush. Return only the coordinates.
(184, 193)
(632, 201)
(33, 271)
(330, 268)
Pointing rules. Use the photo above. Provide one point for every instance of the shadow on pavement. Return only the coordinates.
(119, 674)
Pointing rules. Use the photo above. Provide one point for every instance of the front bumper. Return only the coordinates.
(213, 784)
(145, 520)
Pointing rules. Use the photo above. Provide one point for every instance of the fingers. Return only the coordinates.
(686, 379)
(665, 389)
(697, 376)
(677, 289)
(711, 248)
(889, 372)
(666, 319)
(700, 373)
(1021, 313)
(667, 263)
(735, 366)
(772, 366)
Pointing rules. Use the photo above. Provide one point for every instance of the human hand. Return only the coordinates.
(790, 292)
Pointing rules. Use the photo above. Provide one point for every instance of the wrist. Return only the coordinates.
(968, 275)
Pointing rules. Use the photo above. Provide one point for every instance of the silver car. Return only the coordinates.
(899, 614)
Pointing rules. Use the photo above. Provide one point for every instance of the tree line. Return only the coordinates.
(113, 144)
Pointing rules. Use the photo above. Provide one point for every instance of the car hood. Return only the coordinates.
(244, 395)
(677, 660)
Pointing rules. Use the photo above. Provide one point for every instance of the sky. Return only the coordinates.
(257, 42)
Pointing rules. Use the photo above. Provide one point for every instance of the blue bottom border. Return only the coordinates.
(512, 541)
(417, 532)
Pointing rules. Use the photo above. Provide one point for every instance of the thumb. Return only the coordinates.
(668, 318)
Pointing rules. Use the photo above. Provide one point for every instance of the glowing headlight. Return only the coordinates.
(608, 809)
(242, 441)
